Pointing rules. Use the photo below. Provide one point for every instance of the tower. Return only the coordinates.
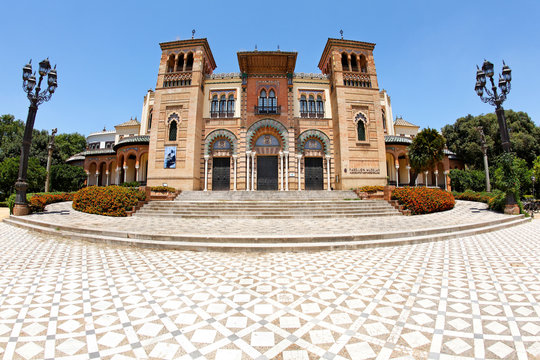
(358, 133)
(177, 124)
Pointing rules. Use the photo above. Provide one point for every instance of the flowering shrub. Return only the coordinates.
(370, 189)
(37, 201)
(470, 195)
(162, 189)
(107, 200)
(422, 200)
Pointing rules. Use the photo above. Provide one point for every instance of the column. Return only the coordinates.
(107, 176)
(425, 177)
(87, 178)
(397, 175)
(436, 172)
(234, 183)
(248, 161)
(328, 172)
(446, 179)
(117, 175)
(408, 174)
(97, 178)
(206, 172)
(281, 170)
(185, 61)
(137, 172)
(125, 173)
(299, 157)
(286, 153)
(252, 170)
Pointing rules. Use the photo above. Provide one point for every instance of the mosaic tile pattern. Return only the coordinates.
(470, 298)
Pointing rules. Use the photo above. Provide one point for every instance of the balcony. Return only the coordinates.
(177, 79)
(356, 79)
(221, 114)
(266, 110)
(312, 114)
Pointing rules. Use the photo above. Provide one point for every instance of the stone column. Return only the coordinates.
(299, 157)
(446, 172)
(286, 153)
(425, 177)
(185, 62)
(137, 172)
(125, 173)
(436, 172)
(206, 172)
(397, 175)
(97, 178)
(234, 183)
(87, 177)
(281, 170)
(117, 175)
(248, 161)
(252, 170)
(328, 172)
(107, 177)
(408, 174)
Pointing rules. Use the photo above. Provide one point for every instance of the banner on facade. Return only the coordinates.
(170, 157)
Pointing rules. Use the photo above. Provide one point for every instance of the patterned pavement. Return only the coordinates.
(469, 298)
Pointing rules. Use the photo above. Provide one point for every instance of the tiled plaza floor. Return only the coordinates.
(473, 298)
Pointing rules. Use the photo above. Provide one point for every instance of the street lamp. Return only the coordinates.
(533, 178)
(496, 99)
(36, 97)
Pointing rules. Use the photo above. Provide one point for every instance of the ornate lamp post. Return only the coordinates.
(36, 97)
(49, 159)
(496, 99)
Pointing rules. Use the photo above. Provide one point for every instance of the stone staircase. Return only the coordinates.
(267, 204)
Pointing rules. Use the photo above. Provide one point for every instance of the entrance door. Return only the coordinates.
(314, 173)
(267, 173)
(221, 173)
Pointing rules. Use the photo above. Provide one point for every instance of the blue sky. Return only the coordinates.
(108, 53)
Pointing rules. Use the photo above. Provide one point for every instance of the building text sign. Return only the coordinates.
(358, 171)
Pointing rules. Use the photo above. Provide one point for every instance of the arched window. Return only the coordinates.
(361, 131)
(263, 99)
(230, 106)
(303, 106)
(150, 120)
(363, 64)
(222, 105)
(272, 99)
(320, 106)
(384, 119)
(214, 107)
(189, 62)
(173, 129)
(180, 62)
(170, 63)
(345, 62)
(311, 105)
(354, 63)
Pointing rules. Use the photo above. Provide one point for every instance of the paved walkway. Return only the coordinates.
(465, 212)
(4, 213)
(469, 298)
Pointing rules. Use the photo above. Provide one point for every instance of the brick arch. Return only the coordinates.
(314, 134)
(217, 134)
(278, 127)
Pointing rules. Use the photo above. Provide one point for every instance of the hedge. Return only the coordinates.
(107, 200)
(162, 189)
(370, 189)
(37, 201)
(422, 200)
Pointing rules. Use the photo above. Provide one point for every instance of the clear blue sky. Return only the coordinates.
(108, 53)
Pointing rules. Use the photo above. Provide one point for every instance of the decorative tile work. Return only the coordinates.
(469, 298)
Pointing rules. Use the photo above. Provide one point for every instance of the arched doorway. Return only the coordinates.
(313, 165)
(221, 164)
(267, 148)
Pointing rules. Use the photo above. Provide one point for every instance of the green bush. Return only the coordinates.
(65, 177)
(462, 180)
(162, 189)
(130, 184)
(470, 195)
(107, 200)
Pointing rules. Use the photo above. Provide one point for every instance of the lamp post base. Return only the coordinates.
(21, 209)
(512, 209)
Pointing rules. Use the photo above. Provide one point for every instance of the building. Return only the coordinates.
(263, 128)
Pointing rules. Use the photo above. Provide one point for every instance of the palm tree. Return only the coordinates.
(426, 150)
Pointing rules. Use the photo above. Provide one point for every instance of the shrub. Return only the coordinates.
(470, 195)
(65, 177)
(162, 189)
(462, 180)
(37, 201)
(370, 189)
(107, 200)
(130, 184)
(422, 200)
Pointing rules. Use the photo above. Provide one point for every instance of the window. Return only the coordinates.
(180, 62)
(344, 62)
(214, 106)
(354, 63)
(363, 64)
(311, 105)
(303, 106)
(222, 105)
(230, 106)
(384, 119)
(170, 64)
(267, 103)
(150, 120)
(172, 131)
(320, 106)
(189, 62)
(272, 99)
(361, 131)
(263, 99)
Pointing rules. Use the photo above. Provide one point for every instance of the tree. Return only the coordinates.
(463, 138)
(9, 170)
(66, 177)
(66, 145)
(11, 134)
(426, 150)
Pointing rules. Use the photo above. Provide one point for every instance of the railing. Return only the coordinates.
(176, 79)
(356, 79)
(221, 114)
(264, 110)
(312, 114)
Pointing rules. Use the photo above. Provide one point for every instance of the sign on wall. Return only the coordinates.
(169, 161)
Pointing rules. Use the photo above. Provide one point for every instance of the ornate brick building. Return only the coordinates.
(263, 128)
